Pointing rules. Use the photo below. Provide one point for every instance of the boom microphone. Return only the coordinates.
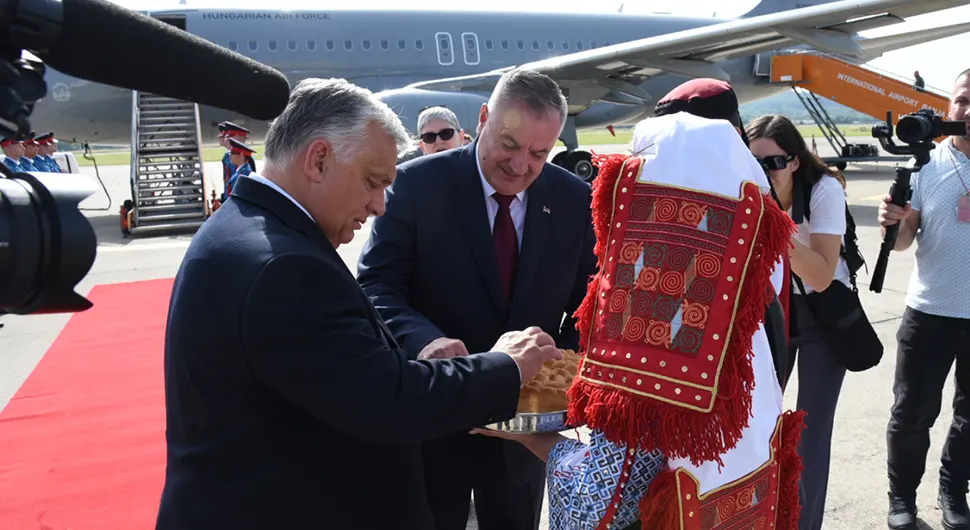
(106, 43)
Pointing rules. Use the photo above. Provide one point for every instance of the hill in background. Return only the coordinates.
(787, 103)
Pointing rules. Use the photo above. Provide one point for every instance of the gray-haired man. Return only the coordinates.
(438, 130)
(476, 241)
(289, 404)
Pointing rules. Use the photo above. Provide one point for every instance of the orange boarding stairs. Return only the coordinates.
(856, 87)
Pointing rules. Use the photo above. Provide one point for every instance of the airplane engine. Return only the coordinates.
(409, 102)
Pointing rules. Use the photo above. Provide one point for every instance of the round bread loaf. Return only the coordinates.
(546, 392)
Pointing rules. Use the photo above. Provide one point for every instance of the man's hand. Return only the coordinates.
(890, 214)
(443, 348)
(529, 349)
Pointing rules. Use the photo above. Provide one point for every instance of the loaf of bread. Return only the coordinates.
(546, 392)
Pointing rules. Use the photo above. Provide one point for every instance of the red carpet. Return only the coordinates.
(82, 443)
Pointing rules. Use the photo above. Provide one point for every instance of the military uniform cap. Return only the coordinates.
(238, 148)
(31, 139)
(235, 130)
(4, 142)
(45, 138)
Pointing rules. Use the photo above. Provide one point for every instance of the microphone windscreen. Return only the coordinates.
(110, 44)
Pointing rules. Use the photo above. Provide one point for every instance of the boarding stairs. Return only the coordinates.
(814, 74)
(168, 185)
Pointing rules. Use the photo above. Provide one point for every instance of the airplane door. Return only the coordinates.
(469, 44)
(446, 53)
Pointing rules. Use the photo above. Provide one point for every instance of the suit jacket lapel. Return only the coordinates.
(469, 209)
(537, 224)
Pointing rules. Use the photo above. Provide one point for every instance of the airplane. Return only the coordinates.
(612, 67)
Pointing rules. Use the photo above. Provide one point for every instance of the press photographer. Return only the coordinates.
(935, 325)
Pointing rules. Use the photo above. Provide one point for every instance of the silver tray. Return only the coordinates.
(532, 423)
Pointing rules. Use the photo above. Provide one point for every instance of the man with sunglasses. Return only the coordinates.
(476, 241)
(439, 130)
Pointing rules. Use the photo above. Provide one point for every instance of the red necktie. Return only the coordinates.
(506, 243)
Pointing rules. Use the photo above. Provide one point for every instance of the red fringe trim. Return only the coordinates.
(660, 507)
(678, 432)
(604, 186)
(790, 464)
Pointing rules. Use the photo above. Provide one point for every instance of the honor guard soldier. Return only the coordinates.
(241, 134)
(45, 144)
(239, 153)
(29, 150)
(13, 150)
(224, 142)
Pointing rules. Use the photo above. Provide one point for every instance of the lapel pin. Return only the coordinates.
(545, 209)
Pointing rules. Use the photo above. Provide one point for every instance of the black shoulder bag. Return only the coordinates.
(837, 309)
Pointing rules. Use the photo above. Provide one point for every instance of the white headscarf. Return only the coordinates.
(709, 155)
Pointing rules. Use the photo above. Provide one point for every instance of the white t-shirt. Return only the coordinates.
(939, 285)
(828, 217)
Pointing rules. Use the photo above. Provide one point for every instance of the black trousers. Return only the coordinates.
(508, 495)
(927, 347)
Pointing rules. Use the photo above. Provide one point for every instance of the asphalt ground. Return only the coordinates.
(858, 484)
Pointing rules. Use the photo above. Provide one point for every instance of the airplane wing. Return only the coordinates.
(614, 73)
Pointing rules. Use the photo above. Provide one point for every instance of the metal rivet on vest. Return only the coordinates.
(628, 355)
(639, 382)
(704, 375)
(716, 337)
(683, 369)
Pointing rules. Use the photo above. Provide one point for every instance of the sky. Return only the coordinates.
(933, 60)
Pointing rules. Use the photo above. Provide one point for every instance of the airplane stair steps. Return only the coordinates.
(860, 88)
(856, 87)
(168, 186)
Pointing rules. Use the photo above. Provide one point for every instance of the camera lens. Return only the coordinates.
(914, 128)
(46, 245)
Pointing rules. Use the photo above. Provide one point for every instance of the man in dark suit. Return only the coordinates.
(288, 402)
(477, 241)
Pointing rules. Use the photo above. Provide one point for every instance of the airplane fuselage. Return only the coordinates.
(385, 51)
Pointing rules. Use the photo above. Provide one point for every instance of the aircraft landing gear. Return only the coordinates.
(580, 163)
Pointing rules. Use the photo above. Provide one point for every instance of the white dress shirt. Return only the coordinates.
(516, 208)
(270, 183)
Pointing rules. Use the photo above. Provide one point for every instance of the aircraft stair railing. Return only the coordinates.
(168, 185)
(821, 117)
(857, 87)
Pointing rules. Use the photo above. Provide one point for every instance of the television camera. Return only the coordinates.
(46, 245)
(919, 131)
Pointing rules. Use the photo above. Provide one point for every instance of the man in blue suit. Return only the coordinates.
(474, 242)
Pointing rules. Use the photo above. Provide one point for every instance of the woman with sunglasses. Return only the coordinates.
(816, 260)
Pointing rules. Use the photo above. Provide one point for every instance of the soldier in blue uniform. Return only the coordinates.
(241, 134)
(224, 142)
(239, 153)
(13, 150)
(45, 145)
(30, 151)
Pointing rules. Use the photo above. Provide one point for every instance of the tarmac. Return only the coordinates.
(857, 487)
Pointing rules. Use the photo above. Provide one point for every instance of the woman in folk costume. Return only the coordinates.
(677, 382)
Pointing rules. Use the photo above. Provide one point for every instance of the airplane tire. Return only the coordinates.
(580, 163)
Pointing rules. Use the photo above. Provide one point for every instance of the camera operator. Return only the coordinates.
(935, 327)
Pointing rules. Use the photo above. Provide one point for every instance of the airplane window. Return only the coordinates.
(330, 45)
(348, 45)
(419, 45)
(291, 45)
(592, 44)
(505, 44)
(443, 43)
(383, 44)
(366, 45)
(520, 45)
(402, 45)
(272, 45)
(233, 45)
(253, 45)
(535, 45)
(565, 45)
(579, 45)
(488, 44)
(551, 45)
(311, 45)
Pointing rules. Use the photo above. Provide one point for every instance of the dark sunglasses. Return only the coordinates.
(445, 134)
(774, 163)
